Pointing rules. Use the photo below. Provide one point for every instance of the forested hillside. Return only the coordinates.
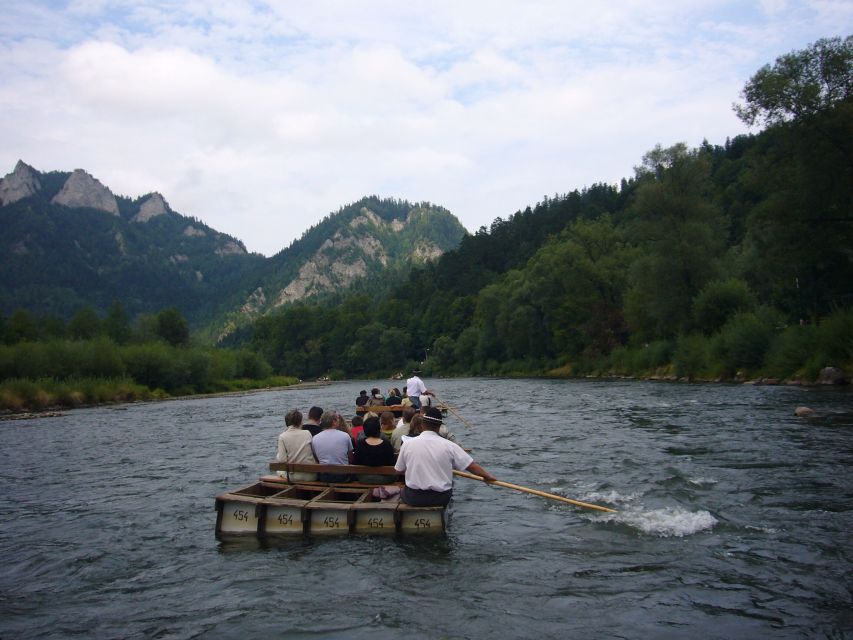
(361, 247)
(58, 257)
(713, 262)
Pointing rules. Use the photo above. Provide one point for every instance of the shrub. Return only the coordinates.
(791, 350)
(101, 359)
(745, 340)
(692, 356)
(719, 301)
(835, 338)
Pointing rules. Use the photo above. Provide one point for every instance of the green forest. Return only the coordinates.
(719, 262)
(46, 362)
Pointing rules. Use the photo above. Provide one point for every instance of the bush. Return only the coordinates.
(101, 359)
(791, 350)
(692, 356)
(835, 338)
(719, 301)
(744, 341)
(251, 365)
(652, 355)
(154, 365)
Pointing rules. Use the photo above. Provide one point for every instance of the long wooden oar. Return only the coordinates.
(535, 492)
(455, 413)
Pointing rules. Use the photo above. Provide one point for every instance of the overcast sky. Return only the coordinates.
(260, 118)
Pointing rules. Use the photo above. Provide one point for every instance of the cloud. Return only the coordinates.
(261, 118)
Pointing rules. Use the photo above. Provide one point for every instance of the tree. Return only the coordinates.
(800, 84)
(116, 324)
(172, 327)
(85, 324)
(800, 230)
(21, 327)
(681, 233)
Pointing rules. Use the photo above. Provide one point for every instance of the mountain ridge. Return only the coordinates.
(70, 242)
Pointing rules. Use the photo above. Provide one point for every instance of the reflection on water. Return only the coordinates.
(733, 521)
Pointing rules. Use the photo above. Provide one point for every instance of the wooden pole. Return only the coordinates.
(455, 413)
(535, 492)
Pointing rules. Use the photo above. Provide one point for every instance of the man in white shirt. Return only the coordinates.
(415, 388)
(428, 462)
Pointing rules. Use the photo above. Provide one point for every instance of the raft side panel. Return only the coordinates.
(283, 519)
(421, 520)
(375, 517)
(328, 518)
(238, 515)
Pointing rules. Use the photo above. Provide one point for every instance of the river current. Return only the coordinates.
(734, 521)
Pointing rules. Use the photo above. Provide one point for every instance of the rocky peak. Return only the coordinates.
(153, 206)
(82, 190)
(230, 248)
(21, 183)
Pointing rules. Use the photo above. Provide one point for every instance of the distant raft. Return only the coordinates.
(273, 506)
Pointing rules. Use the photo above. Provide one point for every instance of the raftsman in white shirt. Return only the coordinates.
(429, 460)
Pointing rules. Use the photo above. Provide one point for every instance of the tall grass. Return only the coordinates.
(67, 373)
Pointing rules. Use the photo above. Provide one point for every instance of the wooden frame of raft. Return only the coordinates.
(274, 506)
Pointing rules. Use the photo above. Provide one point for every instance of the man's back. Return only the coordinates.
(429, 460)
(332, 447)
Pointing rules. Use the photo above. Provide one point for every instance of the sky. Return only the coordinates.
(261, 118)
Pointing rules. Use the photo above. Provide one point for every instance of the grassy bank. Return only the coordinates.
(42, 394)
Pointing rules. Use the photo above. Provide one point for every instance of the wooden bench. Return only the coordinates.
(396, 409)
(345, 469)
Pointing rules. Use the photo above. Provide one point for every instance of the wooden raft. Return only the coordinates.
(278, 507)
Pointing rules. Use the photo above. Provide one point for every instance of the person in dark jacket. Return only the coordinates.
(373, 451)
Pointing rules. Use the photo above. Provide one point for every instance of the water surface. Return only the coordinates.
(734, 521)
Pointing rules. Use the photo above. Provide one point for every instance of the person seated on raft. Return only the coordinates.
(406, 401)
(429, 400)
(373, 451)
(362, 398)
(394, 398)
(428, 462)
(402, 428)
(332, 446)
(416, 426)
(375, 399)
(386, 424)
(312, 424)
(357, 423)
(294, 445)
(343, 425)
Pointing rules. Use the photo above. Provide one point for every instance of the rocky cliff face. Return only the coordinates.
(82, 190)
(153, 206)
(21, 183)
(363, 244)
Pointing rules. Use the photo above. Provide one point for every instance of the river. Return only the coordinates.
(734, 521)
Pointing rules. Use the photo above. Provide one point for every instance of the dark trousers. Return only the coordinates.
(425, 497)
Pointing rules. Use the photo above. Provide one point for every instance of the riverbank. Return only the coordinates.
(13, 407)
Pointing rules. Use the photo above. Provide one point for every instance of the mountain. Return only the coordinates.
(368, 246)
(68, 242)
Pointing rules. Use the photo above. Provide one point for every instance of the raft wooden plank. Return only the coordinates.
(348, 469)
(420, 520)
